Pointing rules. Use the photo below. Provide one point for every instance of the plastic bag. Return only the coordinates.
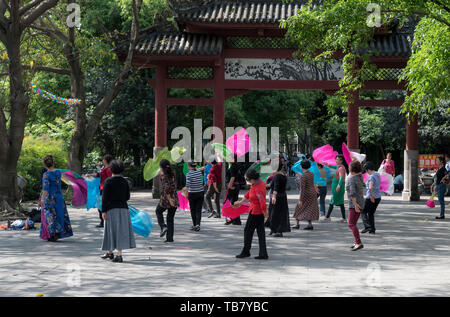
(93, 193)
(141, 221)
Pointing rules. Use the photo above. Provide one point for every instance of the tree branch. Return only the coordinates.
(103, 105)
(48, 69)
(3, 20)
(30, 5)
(51, 32)
(419, 12)
(439, 3)
(37, 12)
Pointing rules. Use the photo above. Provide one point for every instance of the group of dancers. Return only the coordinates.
(204, 183)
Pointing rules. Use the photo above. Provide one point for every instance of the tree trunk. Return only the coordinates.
(85, 129)
(9, 196)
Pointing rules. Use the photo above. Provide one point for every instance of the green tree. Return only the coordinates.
(341, 26)
(16, 16)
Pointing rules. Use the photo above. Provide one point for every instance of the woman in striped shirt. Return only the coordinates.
(195, 190)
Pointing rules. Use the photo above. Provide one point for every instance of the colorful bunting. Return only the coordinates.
(52, 97)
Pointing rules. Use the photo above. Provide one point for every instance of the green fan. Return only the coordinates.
(151, 168)
(223, 149)
(257, 166)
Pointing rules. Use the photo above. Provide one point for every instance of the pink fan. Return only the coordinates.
(239, 143)
(325, 154)
(184, 202)
(231, 212)
(349, 155)
(346, 152)
(384, 182)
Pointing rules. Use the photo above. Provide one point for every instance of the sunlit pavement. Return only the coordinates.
(408, 256)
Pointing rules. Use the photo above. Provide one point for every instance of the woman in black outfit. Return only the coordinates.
(118, 233)
(168, 200)
(278, 207)
(233, 188)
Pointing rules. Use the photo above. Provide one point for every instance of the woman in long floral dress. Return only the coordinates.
(55, 222)
(307, 207)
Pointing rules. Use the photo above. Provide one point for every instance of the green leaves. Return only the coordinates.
(341, 25)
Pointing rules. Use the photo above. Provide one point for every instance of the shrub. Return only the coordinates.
(30, 164)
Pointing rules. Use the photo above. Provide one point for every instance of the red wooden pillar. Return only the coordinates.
(412, 137)
(353, 123)
(160, 121)
(161, 108)
(219, 98)
(219, 109)
(411, 161)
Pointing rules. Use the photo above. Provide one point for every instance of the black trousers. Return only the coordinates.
(195, 203)
(255, 222)
(233, 195)
(330, 210)
(100, 213)
(170, 220)
(368, 214)
(209, 194)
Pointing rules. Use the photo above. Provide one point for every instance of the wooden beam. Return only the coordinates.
(384, 85)
(380, 103)
(190, 101)
(276, 84)
(230, 93)
(282, 84)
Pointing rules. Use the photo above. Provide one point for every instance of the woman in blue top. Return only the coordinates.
(56, 222)
(373, 198)
(325, 173)
(206, 169)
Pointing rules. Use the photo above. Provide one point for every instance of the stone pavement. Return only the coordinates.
(409, 256)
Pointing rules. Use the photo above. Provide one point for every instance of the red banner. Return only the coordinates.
(428, 161)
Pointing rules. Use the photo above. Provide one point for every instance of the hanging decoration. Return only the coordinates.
(52, 97)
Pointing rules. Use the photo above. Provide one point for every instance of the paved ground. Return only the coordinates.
(409, 256)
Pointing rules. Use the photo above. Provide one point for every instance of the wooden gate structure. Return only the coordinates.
(234, 46)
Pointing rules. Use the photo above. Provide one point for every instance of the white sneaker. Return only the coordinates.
(343, 220)
(325, 219)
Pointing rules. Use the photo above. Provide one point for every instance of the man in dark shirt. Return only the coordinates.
(214, 189)
(441, 186)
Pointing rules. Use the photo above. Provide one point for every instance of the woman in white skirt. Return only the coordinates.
(118, 233)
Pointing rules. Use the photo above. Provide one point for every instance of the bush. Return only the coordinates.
(30, 164)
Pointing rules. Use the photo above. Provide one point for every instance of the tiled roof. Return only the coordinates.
(397, 44)
(179, 44)
(206, 44)
(234, 11)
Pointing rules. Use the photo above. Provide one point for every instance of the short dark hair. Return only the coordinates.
(442, 159)
(355, 167)
(251, 174)
(305, 164)
(48, 161)
(369, 166)
(116, 166)
(108, 158)
(192, 164)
